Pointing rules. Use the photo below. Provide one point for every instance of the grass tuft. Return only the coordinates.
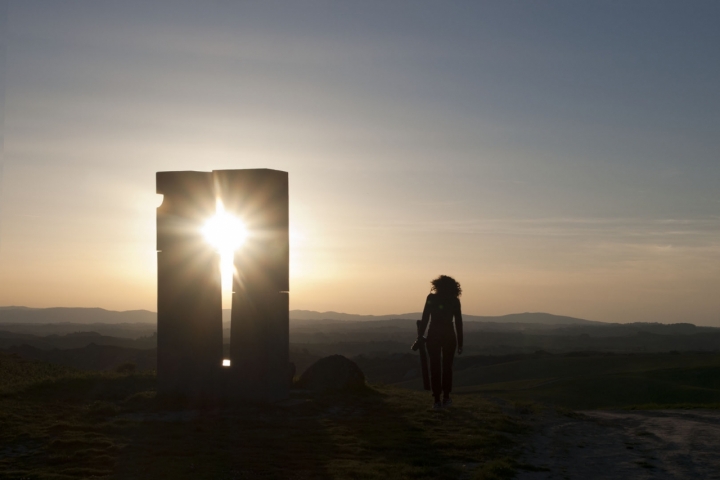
(499, 469)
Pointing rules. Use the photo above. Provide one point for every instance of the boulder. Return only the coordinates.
(333, 373)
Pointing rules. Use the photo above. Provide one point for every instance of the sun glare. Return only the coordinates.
(226, 233)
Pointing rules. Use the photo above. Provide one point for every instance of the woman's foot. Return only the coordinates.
(437, 405)
(446, 402)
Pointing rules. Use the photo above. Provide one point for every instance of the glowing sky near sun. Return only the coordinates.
(553, 156)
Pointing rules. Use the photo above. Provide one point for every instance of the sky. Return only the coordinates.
(553, 156)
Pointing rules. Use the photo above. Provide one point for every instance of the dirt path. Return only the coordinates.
(656, 444)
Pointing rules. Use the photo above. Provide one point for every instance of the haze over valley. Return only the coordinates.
(72, 336)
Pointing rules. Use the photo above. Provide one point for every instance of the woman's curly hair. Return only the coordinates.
(446, 286)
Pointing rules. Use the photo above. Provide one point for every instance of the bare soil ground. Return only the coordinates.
(650, 444)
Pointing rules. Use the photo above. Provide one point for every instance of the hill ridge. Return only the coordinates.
(19, 314)
(526, 317)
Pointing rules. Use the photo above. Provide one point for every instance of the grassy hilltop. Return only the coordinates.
(63, 424)
(60, 423)
(594, 380)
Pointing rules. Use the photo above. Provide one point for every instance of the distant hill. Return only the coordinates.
(90, 357)
(74, 315)
(24, 315)
(120, 330)
(527, 318)
(73, 340)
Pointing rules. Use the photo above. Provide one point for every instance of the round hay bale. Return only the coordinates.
(333, 373)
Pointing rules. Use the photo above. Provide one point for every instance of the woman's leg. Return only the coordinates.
(448, 354)
(433, 349)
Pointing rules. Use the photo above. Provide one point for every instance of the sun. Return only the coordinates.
(227, 234)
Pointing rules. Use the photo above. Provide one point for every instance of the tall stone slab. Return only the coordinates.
(259, 342)
(189, 291)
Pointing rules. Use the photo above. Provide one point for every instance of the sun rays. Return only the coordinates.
(227, 234)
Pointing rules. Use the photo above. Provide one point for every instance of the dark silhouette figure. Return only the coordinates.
(442, 305)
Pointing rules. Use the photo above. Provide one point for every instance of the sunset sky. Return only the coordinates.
(555, 156)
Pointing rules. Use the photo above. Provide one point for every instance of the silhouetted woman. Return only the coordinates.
(441, 306)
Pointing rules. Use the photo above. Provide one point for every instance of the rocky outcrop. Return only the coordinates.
(333, 373)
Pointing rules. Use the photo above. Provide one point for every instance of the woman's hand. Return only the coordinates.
(459, 350)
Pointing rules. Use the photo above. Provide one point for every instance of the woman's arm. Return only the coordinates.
(459, 326)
